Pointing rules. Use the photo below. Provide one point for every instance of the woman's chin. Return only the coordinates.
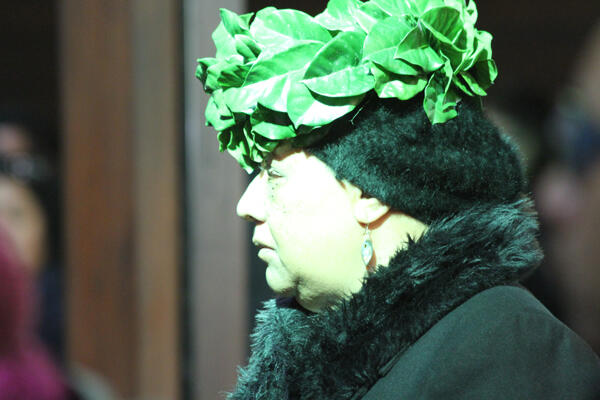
(280, 285)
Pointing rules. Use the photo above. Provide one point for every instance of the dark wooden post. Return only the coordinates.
(121, 109)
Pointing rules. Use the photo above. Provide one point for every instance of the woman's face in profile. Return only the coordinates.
(305, 229)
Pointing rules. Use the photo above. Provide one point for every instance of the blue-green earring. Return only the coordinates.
(366, 250)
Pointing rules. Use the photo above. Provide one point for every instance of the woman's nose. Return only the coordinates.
(251, 205)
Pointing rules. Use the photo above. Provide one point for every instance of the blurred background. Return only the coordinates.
(121, 212)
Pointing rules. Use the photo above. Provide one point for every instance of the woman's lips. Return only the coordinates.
(265, 253)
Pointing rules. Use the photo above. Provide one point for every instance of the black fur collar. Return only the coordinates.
(341, 352)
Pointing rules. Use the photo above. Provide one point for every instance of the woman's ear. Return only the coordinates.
(366, 209)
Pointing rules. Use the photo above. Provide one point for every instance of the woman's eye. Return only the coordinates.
(271, 173)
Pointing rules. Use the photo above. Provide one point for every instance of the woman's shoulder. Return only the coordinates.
(501, 343)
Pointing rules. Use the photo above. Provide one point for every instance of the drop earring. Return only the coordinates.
(366, 249)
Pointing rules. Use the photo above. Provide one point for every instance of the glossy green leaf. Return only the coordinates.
(460, 83)
(217, 114)
(440, 101)
(402, 87)
(473, 85)
(481, 51)
(345, 50)
(202, 68)
(271, 124)
(307, 108)
(269, 79)
(234, 141)
(386, 60)
(336, 70)
(335, 16)
(247, 47)
(381, 44)
(470, 13)
(225, 73)
(396, 8)
(348, 82)
(444, 23)
(213, 72)
(422, 6)
(273, 131)
(386, 34)
(263, 144)
(368, 15)
(281, 29)
(224, 42)
(233, 23)
(233, 75)
(424, 58)
(484, 73)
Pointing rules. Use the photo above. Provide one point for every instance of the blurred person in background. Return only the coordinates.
(29, 212)
(568, 195)
(26, 371)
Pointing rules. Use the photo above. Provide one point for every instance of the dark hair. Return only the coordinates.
(392, 152)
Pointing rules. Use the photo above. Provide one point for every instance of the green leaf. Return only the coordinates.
(336, 70)
(335, 16)
(202, 68)
(470, 13)
(382, 42)
(281, 29)
(425, 58)
(460, 83)
(402, 87)
(347, 82)
(396, 8)
(440, 101)
(422, 6)
(233, 23)
(273, 131)
(345, 50)
(233, 75)
(269, 79)
(271, 124)
(485, 73)
(233, 70)
(247, 47)
(223, 42)
(217, 114)
(234, 141)
(482, 51)
(368, 15)
(311, 109)
(473, 84)
(264, 145)
(444, 23)
(212, 75)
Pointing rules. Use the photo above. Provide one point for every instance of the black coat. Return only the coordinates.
(441, 321)
(500, 344)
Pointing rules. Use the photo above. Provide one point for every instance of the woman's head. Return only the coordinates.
(309, 228)
(367, 114)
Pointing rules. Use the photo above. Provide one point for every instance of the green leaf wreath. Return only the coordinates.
(282, 74)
